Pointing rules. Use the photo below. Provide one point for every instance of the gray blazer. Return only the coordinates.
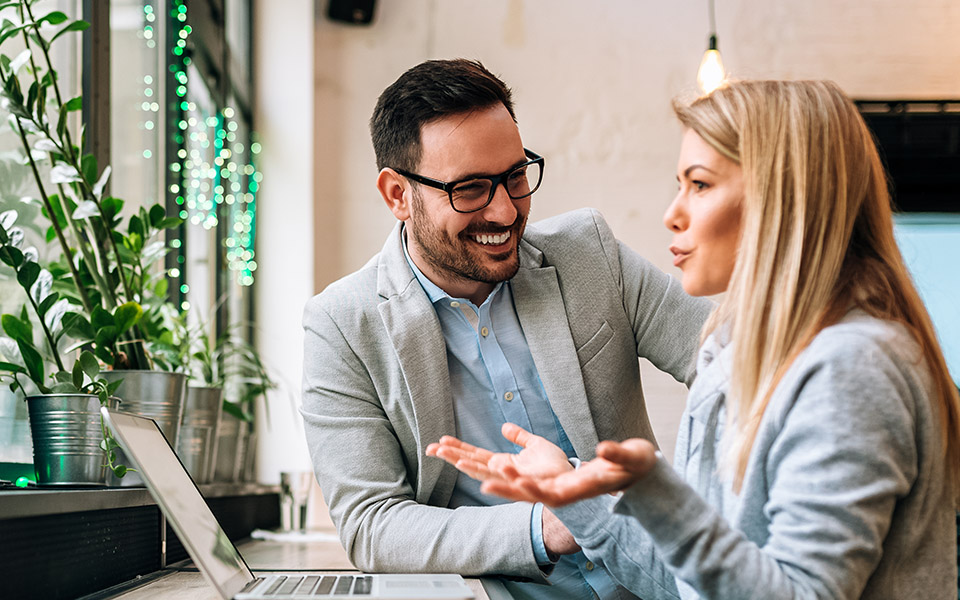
(376, 389)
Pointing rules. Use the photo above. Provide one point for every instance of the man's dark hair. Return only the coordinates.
(429, 91)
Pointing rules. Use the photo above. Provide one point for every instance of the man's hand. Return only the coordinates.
(539, 458)
(541, 471)
(557, 539)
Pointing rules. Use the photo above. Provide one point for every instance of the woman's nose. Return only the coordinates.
(675, 217)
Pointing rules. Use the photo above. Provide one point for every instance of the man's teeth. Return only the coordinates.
(493, 240)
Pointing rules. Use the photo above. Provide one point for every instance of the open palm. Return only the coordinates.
(541, 473)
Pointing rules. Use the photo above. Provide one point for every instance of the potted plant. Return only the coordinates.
(71, 444)
(235, 363)
(102, 268)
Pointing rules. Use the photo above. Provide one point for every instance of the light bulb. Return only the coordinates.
(711, 73)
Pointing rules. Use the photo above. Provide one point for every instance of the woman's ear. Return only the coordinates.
(394, 189)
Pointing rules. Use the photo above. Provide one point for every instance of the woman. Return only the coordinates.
(819, 453)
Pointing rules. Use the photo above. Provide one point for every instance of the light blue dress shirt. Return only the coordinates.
(494, 380)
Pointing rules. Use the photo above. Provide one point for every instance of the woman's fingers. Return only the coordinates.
(635, 455)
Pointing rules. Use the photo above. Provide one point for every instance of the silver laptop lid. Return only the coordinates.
(181, 502)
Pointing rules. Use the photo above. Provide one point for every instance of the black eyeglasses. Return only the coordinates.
(472, 194)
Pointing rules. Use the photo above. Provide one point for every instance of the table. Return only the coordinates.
(326, 555)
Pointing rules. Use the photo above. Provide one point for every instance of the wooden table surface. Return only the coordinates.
(187, 583)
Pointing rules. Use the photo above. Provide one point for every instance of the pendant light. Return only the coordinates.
(711, 74)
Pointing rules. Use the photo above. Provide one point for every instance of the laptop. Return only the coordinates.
(219, 560)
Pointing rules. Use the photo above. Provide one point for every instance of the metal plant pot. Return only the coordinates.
(231, 449)
(198, 431)
(67, 432)
(154, 394)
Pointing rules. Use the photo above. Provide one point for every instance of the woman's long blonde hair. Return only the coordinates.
(817, 239)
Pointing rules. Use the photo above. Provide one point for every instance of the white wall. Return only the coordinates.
(592, 83)
(284, 280)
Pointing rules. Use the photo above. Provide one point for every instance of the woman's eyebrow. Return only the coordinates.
(686, 172)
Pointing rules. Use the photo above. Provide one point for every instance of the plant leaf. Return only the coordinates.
(54, 18)
(88, 166)
(74, 104)
(86, 209)
(19, 61)
(12, 368)
(102, 182)
(65, 388)
(111, 207)
(32, 360)
(8, 349)
(126, 316)
(76, 326)
(136, 225)
(46, 145)
(88, 362)
(12, 256)
(63, 173)
(54, 318)
(113, 386)
(8, 218)
(157, 213)
(47, 303)
(41, 288)
(100, 318)
(28, 274)
(16, 329)
(75, 26)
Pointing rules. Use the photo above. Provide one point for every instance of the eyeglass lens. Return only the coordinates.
(474, 194)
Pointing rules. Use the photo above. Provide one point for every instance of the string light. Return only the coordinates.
(711, 74)
(216, 177)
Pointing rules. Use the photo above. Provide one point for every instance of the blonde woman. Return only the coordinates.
(819, 453)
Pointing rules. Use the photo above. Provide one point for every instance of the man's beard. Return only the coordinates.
(453, 257)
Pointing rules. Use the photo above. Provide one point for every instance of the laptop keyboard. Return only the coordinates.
(314, 586)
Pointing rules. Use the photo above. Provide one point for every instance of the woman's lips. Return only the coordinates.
(679, 255)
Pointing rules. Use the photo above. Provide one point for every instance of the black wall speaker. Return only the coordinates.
(356, 12)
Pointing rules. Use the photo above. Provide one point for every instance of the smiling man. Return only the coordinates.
(468, 319)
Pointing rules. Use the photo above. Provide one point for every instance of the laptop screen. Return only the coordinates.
(181, 502)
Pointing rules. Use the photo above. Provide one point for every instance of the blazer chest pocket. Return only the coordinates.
(595, 344)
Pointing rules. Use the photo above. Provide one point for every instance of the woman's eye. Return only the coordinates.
(699, 185)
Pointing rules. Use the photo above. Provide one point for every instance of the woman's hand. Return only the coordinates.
(541, 472)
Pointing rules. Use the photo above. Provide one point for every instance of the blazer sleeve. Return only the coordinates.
(666, 320)
(845, 452)
(368, 476)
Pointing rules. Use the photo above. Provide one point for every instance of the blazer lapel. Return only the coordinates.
(540, 307)
(414, 330)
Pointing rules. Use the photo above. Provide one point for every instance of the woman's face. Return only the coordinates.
(705, 217)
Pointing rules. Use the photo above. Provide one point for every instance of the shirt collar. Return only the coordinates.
(434, 292)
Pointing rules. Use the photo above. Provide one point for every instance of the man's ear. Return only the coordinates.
(396, 192)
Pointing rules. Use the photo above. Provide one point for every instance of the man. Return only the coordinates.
(467, 320)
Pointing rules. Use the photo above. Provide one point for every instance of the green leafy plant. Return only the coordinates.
(83, 377)
(103, 269)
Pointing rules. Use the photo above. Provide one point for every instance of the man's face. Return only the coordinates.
(466, 254)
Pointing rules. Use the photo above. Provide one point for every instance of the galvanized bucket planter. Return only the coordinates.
(154, 394)
(198, 431)
(231, 449)
(66, 430)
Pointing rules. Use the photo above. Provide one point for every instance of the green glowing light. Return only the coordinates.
(22, 482)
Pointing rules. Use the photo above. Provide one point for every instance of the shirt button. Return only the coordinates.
(508, 396)
(484, 331)
(455, 304)
(589, 566)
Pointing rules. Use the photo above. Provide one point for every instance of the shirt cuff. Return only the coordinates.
(536, 534)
